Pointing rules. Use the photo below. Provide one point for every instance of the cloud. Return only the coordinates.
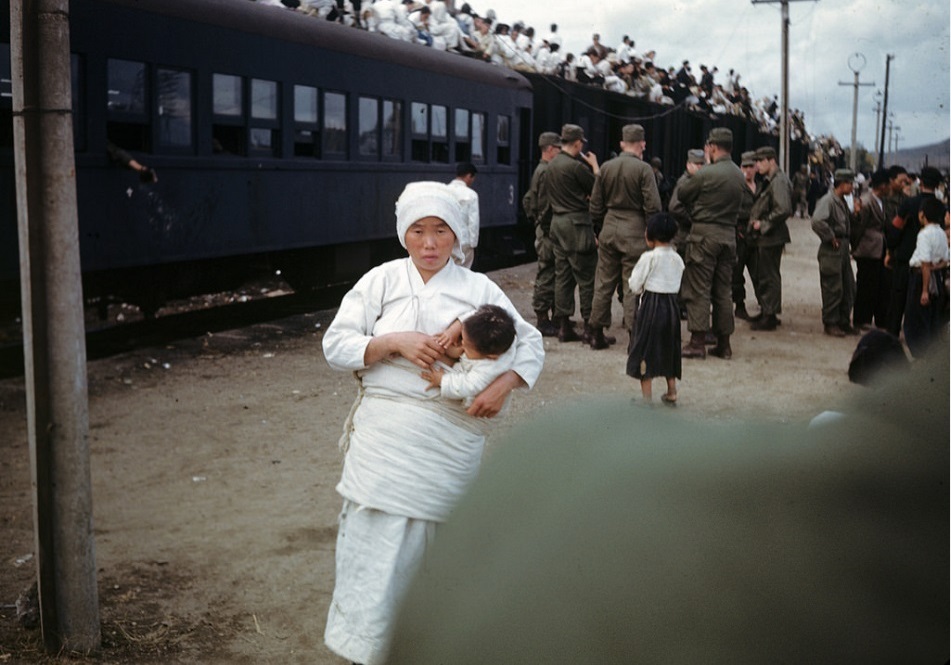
(823, 34)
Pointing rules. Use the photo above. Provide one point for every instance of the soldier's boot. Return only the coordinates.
(587, 333)
(545, 326)
(598, 339)
(710, 339)
(741, 312)
(722, 349)
(767, 322)
(695, 348)
(566, 331)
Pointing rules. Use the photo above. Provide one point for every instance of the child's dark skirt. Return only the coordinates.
(655, 348)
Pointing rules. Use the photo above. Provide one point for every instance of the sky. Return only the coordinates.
(828, 39)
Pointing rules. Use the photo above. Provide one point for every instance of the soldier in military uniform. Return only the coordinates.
(744, 248)
(568, 183)
(538, 210)
(712, 197)
(768, 231)
(625, 194)
(831, 221)
(695, 159)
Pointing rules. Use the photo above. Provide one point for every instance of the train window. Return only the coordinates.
(174, 108)
(461, 135)
(419, 125)
(368, 137)
(227, 104)
(440, 137)
(127, 104)
(263, 99)
(478, 138)
(504, 151)
(6, 98)
(128, 83)
(264, 133)
(392, 129)
(227, 98)
(305, 122)
(334, 135)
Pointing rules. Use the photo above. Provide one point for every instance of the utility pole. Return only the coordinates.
(890, 127)
(784, 112)
(856, 64)
(893, 146)
(881, 149)
(54, 350)
(878, 111)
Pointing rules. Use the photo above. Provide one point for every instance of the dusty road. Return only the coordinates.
(214, 462)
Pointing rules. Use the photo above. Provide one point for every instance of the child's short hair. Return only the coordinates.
(933, 210)
(661, 227)
(491, 330)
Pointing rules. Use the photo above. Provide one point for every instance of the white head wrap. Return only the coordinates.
(430, 199)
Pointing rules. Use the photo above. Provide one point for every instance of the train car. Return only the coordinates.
(280, 141)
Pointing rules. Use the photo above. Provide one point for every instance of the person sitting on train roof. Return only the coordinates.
(420, 19)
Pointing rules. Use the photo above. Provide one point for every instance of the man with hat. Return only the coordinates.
(712, 197)
(538, 210)
(624, 195)
(696, 158)
(769, 234)
(568, 183)
(744, 249)
(831, 221)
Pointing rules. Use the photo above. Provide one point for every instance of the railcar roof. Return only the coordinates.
(251, 17)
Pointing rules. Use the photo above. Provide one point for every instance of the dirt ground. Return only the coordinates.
(214, 462)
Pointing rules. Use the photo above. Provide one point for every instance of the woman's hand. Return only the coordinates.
(490, 401)
(419, 349)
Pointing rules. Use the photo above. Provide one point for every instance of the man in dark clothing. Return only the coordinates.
(901, 232)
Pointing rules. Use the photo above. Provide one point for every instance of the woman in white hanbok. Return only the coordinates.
(410, 454)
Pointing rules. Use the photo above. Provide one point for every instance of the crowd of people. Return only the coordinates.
(435, 347)
(622, 69)
(595, 223)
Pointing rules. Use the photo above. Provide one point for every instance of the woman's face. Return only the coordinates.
(429, 242)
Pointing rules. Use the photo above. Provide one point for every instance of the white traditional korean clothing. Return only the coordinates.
(410, 454)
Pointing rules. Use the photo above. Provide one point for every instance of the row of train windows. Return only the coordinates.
(246, 118)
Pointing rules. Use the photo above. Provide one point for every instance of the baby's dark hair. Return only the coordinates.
(491, 330)
(661, 227)
(933, 210)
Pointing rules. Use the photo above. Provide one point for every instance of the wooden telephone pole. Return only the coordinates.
(784, 117)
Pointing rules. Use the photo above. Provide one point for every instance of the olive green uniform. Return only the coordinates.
(625, 194)
(538, 210)
(712, 197)
(568, 184)
(831, 219)
(772, 207)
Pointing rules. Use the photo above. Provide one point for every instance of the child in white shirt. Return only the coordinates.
(655, 349)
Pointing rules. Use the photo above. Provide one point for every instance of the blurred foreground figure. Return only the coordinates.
(612, 534)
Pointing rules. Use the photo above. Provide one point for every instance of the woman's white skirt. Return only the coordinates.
(377, 556)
